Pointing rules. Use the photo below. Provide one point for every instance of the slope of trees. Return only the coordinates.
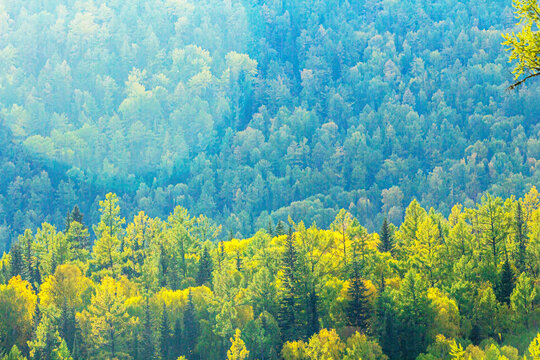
(250, 111)
(464, 286)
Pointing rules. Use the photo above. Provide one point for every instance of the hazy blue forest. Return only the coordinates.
(251, 111)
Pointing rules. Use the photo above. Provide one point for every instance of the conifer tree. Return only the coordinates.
(270, 228)
(164, 334)
(288, 305)
(280, 228)
(358, 306)
(191, 328)
(520, 237)
(386, 241)
(204, 274)
(14, 354)
(67, 325)
(386, 325)
(506, 283)
(148, 333)
(177, 340)
(312, 314)
(17, 261)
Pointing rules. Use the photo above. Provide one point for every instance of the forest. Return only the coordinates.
(269, 179)
(462, 287)
(253, 111)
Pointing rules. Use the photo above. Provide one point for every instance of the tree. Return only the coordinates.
(61, 352)
(359, 346)
(106, 253)
(415, 315)
(525, 45)
(110, 222)
(325, 345)
(358, 306)
(238, 349)
(74, 216)
(288, 303)
(522, 299)
(108, 320)
(17, 306)
(191, 328)
(164, 335)
(17, 262)
(506, 283)
(520, 237)
(341, 224)
(204, 274)
(386, 241)
(14, 354)
(148, 342)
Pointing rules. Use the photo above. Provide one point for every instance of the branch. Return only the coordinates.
(515, 85)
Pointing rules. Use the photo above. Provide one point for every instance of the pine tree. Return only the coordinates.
(191, 328)
(280, 228)
(386, 243)
(358, 306)
(164, 335)
(521, 237)
(270, 228)
(506, 283)
(17, 261)
(148, 333)
(77, 215)
(288, 304)
(163, 265)
(204, 274)
(386, 325)
(67, 325)
(177, 340)
(313, 314)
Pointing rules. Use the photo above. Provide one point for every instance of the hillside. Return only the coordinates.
(251, 111)
(436, 288)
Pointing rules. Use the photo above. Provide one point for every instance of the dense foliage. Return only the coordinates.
(462, 287)
(250, 111)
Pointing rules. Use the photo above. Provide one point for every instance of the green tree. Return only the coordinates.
(386, 241)
(522, 299)
(525, 45)
(204, 274)
(108, 320)
(288, 302)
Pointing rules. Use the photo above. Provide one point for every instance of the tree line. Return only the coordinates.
(464, 286)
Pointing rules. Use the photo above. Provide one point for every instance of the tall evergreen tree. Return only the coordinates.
(191, 328)
(312, 314)
(148, 333)
(288, 304)
(164, 335)
(386, 325)
(386, 241)
(506, 283)
(67, 325)
(204, 275)
(17, 261)
(270, 228)
(520, 237)
(358, 307)
(177, 340)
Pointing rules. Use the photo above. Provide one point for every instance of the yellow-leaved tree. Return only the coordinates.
(525, 45)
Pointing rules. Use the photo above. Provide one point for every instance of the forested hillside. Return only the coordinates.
(436, 288)
(251, 111)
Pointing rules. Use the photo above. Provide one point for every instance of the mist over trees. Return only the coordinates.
(250, 111)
